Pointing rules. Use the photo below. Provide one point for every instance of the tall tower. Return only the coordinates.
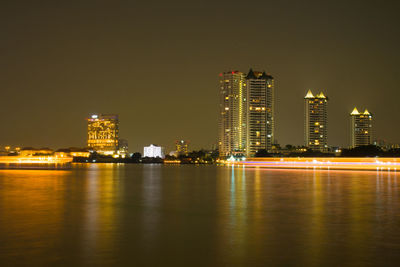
(232, 117)
(360, 128)
(316, 121)
(103, 134)
(260, 112)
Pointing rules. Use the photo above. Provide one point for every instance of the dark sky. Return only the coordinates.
(157, 65)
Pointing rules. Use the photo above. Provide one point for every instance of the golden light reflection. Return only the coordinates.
(100, 224)
(238, 210)
(232, 199)
(34, 159)
(316, 224)
(31, 206)
(381, 164)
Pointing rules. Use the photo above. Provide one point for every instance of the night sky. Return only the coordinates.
(157, 66)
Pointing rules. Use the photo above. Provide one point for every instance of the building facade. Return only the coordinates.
(232, 113)
(103, 134)
(316, 121)
(72, 152)
(360, 128)
(260, 112)
(182, 147)
(153, 151)
(123, 147)
(30, 151)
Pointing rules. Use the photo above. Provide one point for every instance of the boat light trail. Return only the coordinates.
(323, 163)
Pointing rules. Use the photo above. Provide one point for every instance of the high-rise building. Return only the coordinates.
(123, 146)
(232, 119)
(360, 128)
(181, 147)
(316, 121)
(260, 112)
(103, 134)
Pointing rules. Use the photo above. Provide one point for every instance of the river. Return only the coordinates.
(157, 215)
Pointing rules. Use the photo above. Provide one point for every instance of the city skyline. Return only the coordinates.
(199, 133)
(146, 67)
(245, 79)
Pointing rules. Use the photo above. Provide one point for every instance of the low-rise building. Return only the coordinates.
(30, 151)
(123, 148)
(72, 152)
(153, 151)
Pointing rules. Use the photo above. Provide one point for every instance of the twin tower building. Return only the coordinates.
(246, 123)
(247, 111)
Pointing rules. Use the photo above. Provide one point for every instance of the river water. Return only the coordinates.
(155, 215)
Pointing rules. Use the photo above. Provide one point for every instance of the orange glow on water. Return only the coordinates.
(29, 160)
(387, 164)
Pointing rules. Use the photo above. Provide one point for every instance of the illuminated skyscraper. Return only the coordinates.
(360, 128)
(103, 134)
(232, 118)
(181, 147)
(260, 112)
(316, 121)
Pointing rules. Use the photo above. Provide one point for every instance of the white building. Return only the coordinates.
(153, 151)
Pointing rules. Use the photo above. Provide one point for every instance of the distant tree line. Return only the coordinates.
(204, 157)
(370, 151)
(199, 156)
(360, 151)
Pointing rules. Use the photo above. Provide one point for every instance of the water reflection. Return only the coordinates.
(27, 209)
(198, 215)
(237, 230)
(100, 213)
(152, 194)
